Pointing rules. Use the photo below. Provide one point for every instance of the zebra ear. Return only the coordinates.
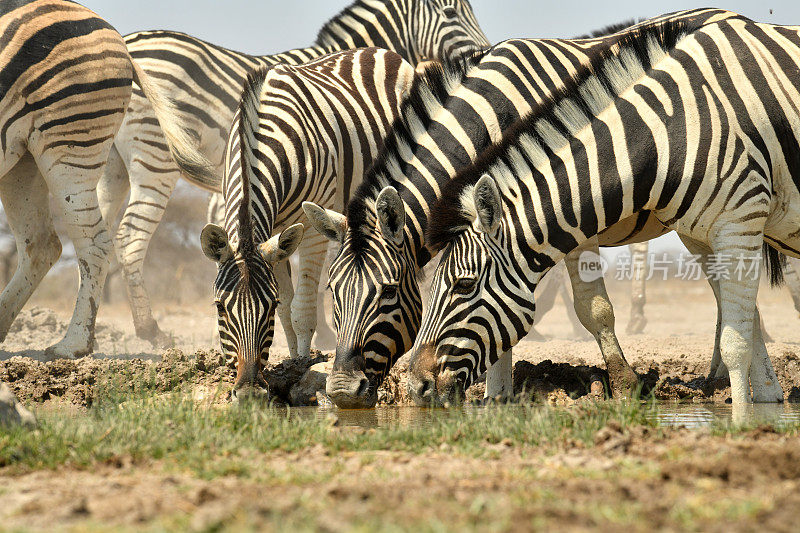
(488, 203)
(214, 242)
(329, 223)
(282, 245)
(391, 215)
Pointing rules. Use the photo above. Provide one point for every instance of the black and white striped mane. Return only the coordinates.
(429, 91)
(611, 29)
(328, 34)
(248, 126)
(544, 129)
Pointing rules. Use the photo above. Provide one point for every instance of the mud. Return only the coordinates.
(671, 357)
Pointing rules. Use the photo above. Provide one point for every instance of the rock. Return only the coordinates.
(304, 392)
(11, 411)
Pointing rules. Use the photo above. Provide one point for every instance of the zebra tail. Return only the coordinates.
(182, 146)
(775, 263)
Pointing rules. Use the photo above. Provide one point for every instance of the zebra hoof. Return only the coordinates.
(636, 325)
(63, 350)
(153, 334)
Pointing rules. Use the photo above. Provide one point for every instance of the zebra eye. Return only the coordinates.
(464, 285)
(221, 309)
(389, 292)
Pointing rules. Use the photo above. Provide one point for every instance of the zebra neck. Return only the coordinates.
(359, 26)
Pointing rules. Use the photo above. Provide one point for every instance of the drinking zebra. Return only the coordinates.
(455, 112)
(304, 132)
(207, 80)
(65, 82)
(699, 125)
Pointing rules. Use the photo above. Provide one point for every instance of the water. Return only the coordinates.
(666, 414)
(706, 415)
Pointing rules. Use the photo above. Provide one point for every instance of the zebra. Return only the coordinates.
(698, 124)
(460, 108)
(303, 132)
(65, 83)
(209, 80)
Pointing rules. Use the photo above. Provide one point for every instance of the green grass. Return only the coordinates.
(133, 419)
(131, 422)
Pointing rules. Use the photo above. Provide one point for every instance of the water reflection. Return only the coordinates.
(705, 415)
(665, 414)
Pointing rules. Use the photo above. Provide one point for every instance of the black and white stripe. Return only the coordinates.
(303, 133)
(65, 83)
(206, 81)
(451, 114)
(698, 125)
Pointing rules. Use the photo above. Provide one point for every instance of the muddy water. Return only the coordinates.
(665, 414)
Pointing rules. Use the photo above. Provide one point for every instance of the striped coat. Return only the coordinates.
(206, 81)
(65, 82)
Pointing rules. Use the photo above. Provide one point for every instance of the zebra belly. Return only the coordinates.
(632, 230)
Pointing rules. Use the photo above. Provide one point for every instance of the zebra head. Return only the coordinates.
(246, 295)
(480, 303)
(444, 29)
(376, 301)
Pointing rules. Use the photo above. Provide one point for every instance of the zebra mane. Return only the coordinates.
(611, 29)
(429, 90)
(248, 125)
(329, 33)
(550, 124)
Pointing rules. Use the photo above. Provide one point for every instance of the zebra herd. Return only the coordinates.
(399, 135)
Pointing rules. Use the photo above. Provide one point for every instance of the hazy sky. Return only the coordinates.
(268, 26)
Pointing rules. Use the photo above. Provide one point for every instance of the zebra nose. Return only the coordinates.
(420, 390)
(349, 390)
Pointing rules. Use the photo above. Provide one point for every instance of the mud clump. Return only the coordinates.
(556, 382)
(282, 376)
(79, 381)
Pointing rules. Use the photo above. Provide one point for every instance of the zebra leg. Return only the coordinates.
(76, 194)
(638, 321)
(596, 313)
(304, 306)
(738, 311)
(763, 375)
(140, 220)
(283, 275)
(545, 296)
(792, 277)
(764, 335)
(26, 203)
(499, 379)
(578, 331)
(324, 338)
(112, 189)
(763, 379)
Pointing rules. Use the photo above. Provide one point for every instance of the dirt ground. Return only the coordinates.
(643, 479)
(672, 355)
